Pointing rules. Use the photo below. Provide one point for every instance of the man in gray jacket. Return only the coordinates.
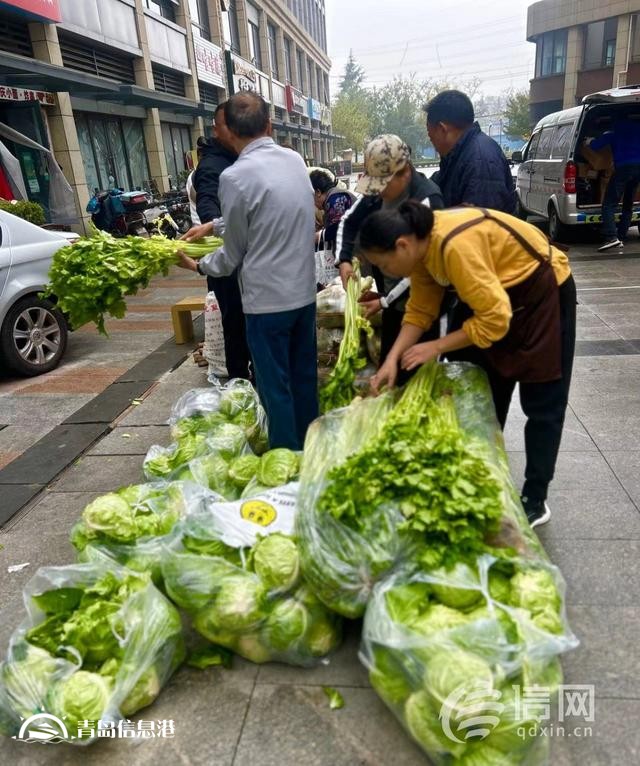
(268, 209)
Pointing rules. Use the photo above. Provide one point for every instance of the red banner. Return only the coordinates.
(44, 10)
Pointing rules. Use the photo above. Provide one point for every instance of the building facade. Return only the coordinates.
(120, 90)
(581, 48)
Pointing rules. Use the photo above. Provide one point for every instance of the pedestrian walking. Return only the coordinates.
(389, 180)
(521, 301)
(267, 206)
(624, 140)
(217, 154)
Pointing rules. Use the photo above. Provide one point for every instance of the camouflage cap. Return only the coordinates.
(383, 158)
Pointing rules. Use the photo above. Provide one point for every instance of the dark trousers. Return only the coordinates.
(623, 184)
(285, 360)
(391, 326)
(544, 404)
(236, 350)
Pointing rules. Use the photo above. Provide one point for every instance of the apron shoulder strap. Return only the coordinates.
(486, 215)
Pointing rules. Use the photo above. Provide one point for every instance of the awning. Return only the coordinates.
(21, 72)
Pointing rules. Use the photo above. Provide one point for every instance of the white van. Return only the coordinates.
(555, 178)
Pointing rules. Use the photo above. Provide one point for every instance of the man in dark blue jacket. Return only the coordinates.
(216, 156)
(473, 168)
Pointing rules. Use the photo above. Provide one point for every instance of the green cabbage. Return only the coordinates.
(82, 696)
(236, 400)
(26, 682)
(422, 720)
(463, 597)
(277, 467)
(286, 624)
(482, 754)
(145, 691)
(499, 587)
(323, 634)
(406, 602)
(436, 619)
(113, 513)
(387, 677)
(212, 471)
(534, 590)
(456, 671)
(240, 603)
(242, 469)
(228, 440)
(251, 648)
(277, 562)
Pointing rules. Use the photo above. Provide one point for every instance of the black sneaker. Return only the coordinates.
(538, 512)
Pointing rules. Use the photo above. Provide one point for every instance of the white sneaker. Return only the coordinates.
(610, 245)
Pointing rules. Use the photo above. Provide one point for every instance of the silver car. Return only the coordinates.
(555, 178)
(33, 333)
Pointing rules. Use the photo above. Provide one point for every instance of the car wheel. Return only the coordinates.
(33, 336)
(558, 232)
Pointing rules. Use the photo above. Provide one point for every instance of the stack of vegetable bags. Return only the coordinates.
(453, 654)
(98, 643)
(387, 481)
(133, 524)
(236, 572)
(223, 420)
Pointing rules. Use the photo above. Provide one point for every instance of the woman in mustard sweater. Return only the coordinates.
(518, 302)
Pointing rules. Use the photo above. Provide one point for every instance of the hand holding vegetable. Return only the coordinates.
(346, 273)
(386, 376)
(186, 262)
(419, 354)
(200, 231)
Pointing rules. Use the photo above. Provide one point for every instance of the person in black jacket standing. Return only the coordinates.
(473, 168)
(389, 180)
(217, 156)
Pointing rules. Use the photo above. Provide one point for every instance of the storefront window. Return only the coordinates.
(177, 143)
(113, 152)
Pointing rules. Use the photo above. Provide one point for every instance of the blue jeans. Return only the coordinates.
(623, 183)
(285, 360)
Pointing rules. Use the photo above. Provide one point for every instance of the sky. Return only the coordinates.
(445, 40)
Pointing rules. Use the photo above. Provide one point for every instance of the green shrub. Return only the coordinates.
(30, 211)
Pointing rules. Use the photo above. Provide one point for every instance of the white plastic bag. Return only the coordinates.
(326, 270)
(213, 350)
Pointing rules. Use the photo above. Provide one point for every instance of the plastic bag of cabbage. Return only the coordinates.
(243, 475)
(226, 420)
(445, 647)
(133, 524)
(98, 643)
(245, 591)
(402, 477)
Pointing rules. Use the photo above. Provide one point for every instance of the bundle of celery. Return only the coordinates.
(339, 390)
(91, 277)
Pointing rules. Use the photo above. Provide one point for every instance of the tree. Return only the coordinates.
(353, 76)
(517, 114)
(350, 119)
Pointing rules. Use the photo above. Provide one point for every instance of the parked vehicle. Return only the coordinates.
(33, 333)
(120, 213)
(555, 179)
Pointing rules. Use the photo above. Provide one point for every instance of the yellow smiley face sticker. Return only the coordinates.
(259, 512)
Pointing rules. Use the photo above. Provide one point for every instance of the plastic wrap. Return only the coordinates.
(133, 524)
(424, 478)
(112, 642)
(452, 653)
(236, 572)
(220, 419)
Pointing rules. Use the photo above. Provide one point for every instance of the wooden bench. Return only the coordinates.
(182, 319)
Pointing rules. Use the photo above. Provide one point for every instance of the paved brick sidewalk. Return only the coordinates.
(278, 716)
(31, 407)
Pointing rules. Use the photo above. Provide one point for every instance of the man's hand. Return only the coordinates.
(198, 232)
(371, 307)
(387, 374)
(186, 262)
(419, 354)
(346, 272)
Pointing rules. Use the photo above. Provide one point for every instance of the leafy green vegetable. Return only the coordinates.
(92, 277)
(286, 624)
(82, 696)
(339, 390)
(240, 603)
(336, 700)
(277, 467)
(210, 656)
(422, 720)
(534, 590)
(276, 561)
(242, 469)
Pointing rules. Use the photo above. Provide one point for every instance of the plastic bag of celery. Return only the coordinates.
(133, 524)
(446, 646)
(384, 481)
(243, 590)
(98, 643)
(220, 419)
